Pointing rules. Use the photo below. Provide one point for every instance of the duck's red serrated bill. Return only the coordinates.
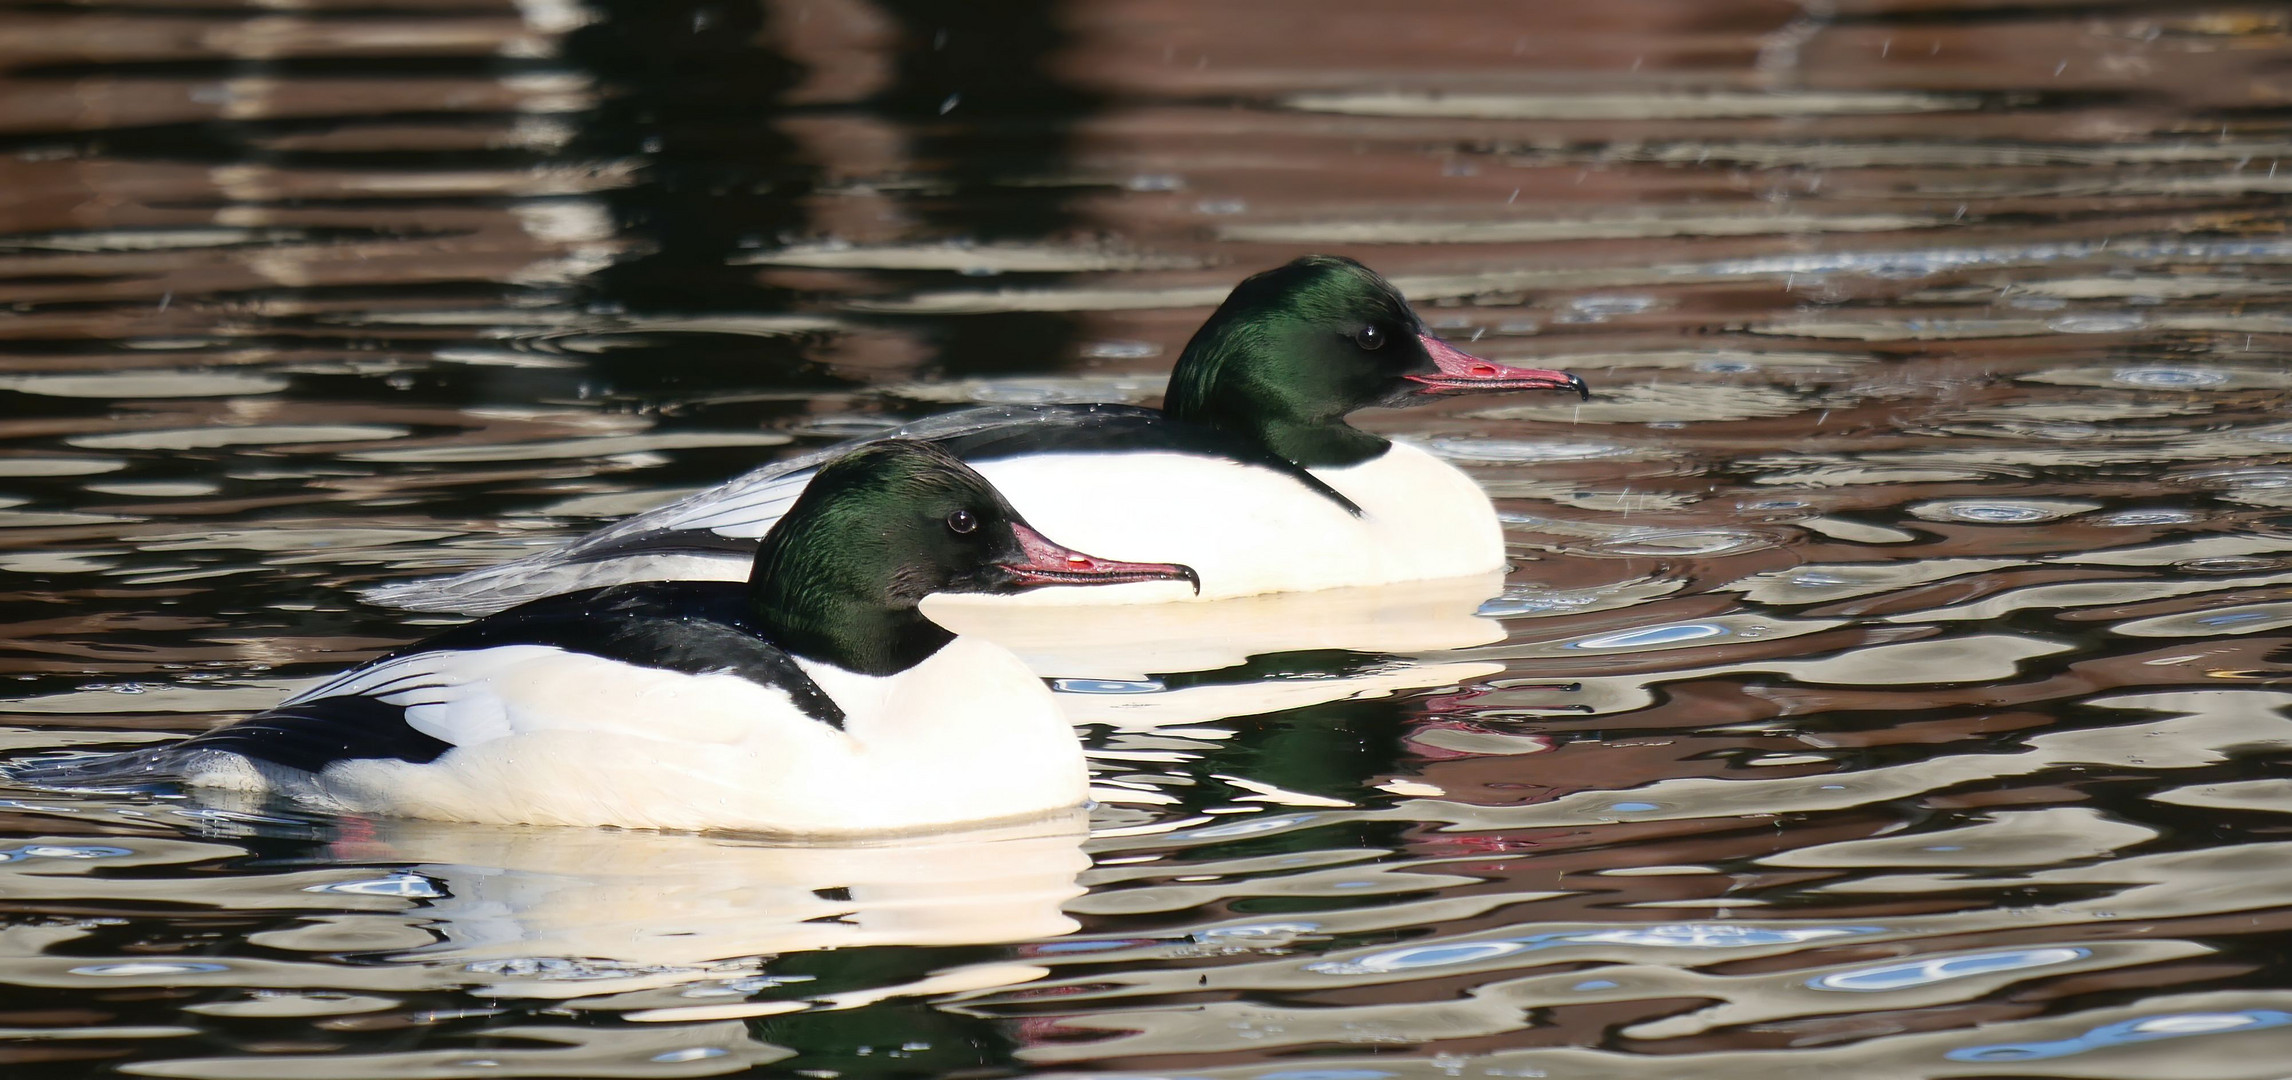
(1462, 372)
(1049, 563)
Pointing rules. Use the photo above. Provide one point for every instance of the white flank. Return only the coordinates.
(1249, 530)
(550, 737)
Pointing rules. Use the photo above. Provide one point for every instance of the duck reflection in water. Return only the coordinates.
(559, 913)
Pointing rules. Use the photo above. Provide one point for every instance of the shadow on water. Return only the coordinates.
(693, 91)
(989, 133)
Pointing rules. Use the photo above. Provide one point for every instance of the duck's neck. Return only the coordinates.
(823, 610)
(1214, 385)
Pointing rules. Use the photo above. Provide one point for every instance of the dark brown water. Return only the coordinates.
(1891, 681)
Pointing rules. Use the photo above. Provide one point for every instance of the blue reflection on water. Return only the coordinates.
(62, 851)
(1049, 947)
(1249, 826)
(1911, 973)
(405, 884)
(1681, 935)
(2003, 513)
(1255, 930)
(2169, 376)
(1653, 635)
(561, 969)
(1704, 935)
(2146, 1029)
(140, 968)
(1108, 686)
(2146, 517)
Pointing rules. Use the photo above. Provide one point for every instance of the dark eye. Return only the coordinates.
(1371, 337)
(962, 523)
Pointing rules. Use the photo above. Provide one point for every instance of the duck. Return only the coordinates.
(1249, 473)
(813, 699)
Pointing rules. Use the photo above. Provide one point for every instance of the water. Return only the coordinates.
(1891, 680)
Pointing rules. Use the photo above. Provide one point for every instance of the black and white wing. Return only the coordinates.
(711, 535)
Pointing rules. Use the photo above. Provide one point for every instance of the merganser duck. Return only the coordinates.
(816, 699)
(1249, 472)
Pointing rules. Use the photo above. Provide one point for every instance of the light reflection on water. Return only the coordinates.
(1888, 682)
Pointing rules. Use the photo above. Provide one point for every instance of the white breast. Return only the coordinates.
(544, 736)
(1249, 530)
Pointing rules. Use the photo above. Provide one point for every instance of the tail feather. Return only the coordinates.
(499, 588)
(149, 767)
(479, 592)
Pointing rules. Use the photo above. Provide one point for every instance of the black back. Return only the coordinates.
(693, 627)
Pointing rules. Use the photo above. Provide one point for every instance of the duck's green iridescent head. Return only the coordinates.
(840, 576)
(1295, 349)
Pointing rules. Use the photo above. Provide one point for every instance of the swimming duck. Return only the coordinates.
(1248, 473)
(815, 699)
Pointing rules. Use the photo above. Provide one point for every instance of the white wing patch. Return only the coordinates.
(742, 513)
(475, 696)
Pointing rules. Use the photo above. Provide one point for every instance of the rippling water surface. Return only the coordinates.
(1891, 679)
